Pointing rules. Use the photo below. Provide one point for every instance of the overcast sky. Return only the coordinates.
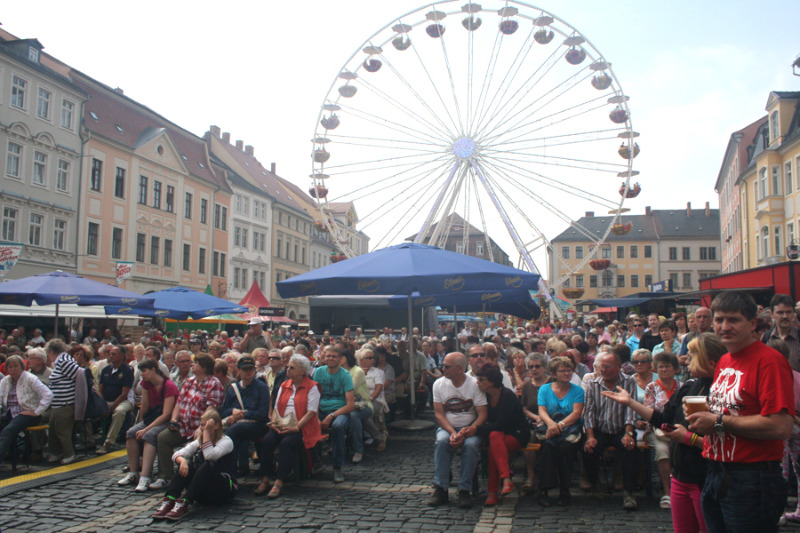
(695, 71)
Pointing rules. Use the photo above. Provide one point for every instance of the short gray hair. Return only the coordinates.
(302, 362)
(15, 359)
(643, 351)
(37, 353)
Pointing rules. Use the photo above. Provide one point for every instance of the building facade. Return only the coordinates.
(464, 238)
(40, 115)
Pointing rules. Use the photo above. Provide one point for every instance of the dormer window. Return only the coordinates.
(774, 130)
(33, 54)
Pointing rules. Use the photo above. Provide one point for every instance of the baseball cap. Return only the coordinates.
(246, 361)
(254, 321)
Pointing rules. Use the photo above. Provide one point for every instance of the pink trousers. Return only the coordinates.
(687, 514)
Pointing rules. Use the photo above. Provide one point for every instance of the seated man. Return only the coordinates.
(116, 381)
(609, 424)
(245, 410)
(460, 409)
(336, 402)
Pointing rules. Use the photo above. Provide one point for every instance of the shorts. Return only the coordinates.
(150, 436)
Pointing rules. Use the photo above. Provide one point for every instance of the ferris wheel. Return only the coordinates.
(456, 120)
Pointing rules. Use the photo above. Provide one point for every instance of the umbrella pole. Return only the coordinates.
(455, 327)
(411, 356)
(55, 324)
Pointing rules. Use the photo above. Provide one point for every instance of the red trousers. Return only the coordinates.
(499, 445)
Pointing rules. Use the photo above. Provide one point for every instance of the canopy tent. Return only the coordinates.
(510, 302)
(180, 303)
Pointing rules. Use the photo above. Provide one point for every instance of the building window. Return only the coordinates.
(201, 267)
(187, 257)
(761, 186)
(673, 279)
(565, 252)
(140, 244)
(18, 88)
(237, 236)
(295, 253)
(155, 246)
(620, 252)
(789, 233)
(579, 252)
(93, 236)
(773, 127)
(787, 178)
(634, 280)
(620, 280)
(13, 160)
(59, 233)
(459, 249)
(143, 190)
(673, 253)
(593, 281)
(579, 281)
(39, 168)
(648, 251)
(43, 104)
(287, 250)
(116, 243)
(605, 252)
(35, 229)
(167, 252)
(215, 263)
(709, 253)
(203, 211)
(608, 279)
(222, 265)
(119, 183)
(236, 273)
(777, 237)
(67, 108)
(687, 253)
(224, 219)
(9, 232)
(187, 210)
(157, 194)
(634, 251)
(687, 280)
(776, 180)
(303, 254)
(243, 282)
(479, 249)
(96, 177)
(278, 249)
(170, 204)
(648, 280)
(62, 176)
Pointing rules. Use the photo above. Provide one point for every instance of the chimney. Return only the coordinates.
(119, 91)
(272, 167)
(249, 150)
(240, 144)
(647, 210)
(589, 214)
(215, 131)
(708, 210)
(689, 209)
(226, 137)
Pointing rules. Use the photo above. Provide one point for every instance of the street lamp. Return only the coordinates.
(793, 250)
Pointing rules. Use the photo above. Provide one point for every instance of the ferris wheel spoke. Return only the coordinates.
(383, 142)
(484, 225)
(485, 84)
(460, 129)
(564, 139)
(564, 162)
(552, 183)
(434, 86)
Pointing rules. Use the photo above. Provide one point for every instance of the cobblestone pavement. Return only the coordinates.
(387, 492)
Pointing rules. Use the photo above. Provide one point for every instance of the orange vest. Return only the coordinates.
(311, 431)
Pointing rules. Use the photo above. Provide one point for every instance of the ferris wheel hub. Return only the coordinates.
(464, 147)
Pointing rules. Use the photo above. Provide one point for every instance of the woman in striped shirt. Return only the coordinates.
(62, 415)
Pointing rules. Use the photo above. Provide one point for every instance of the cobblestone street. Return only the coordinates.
(386, 492)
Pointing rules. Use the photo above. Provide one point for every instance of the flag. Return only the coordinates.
(9, 253)
(124, 270)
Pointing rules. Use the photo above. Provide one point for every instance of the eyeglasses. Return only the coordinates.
(476, 355)
(273, 358)
(367, 358)
(638, 325)
(534, 366)
(639, 361)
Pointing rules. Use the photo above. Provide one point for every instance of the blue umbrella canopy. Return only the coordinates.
(405, 269)
(516, 302)
(180, 303)
(65, 288)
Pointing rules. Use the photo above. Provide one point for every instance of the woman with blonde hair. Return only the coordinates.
(206, 470)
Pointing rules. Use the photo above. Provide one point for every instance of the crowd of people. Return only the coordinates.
(204, 401)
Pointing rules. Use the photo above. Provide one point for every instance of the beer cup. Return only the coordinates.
(695, 404)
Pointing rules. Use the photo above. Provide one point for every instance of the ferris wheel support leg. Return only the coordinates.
(426, 226)
(523, 252)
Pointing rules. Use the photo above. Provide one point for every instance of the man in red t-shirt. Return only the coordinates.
(751, 414)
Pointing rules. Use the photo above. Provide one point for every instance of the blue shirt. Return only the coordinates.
(554, 404)
(255, 398)
(334, 387)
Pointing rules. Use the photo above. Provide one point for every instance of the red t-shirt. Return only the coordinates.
(755, 381)
(154, 395)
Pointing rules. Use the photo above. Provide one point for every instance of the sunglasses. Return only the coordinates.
(476, 355)
(640, 361)
(273, 358)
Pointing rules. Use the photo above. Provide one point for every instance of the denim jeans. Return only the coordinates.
(338, 432)
(242, 432)
(357, 419)
(8, 436)
(739, 501)
(443, 456)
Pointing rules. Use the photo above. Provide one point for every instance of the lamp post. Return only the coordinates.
(793, 250)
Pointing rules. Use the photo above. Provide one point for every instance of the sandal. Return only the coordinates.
(508, 486)
(274, 492)
(261, 489)
(665, 502)
(526, 487)
(491, 499)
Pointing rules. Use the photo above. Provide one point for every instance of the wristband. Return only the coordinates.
(694, 438)
(687, 438)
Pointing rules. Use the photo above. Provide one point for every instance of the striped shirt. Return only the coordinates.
(62, 380)
(604, 414)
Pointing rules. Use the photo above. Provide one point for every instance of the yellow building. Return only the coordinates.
(769, 187)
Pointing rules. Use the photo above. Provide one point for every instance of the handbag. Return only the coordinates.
(154, 412)
(284, 422)
(96, 406)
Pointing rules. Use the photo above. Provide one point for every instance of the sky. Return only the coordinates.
(694, 71)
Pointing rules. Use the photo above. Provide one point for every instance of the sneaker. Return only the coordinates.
(68, 460)
(54, 458)
(464, 499)
(629, 503)
(129, 479)
(164, 508)
(143, 485)
(158, 484)
(338, 477)
(178, 511)
(439, 497)
(369, 441)
(102, 450)
(358, 457)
